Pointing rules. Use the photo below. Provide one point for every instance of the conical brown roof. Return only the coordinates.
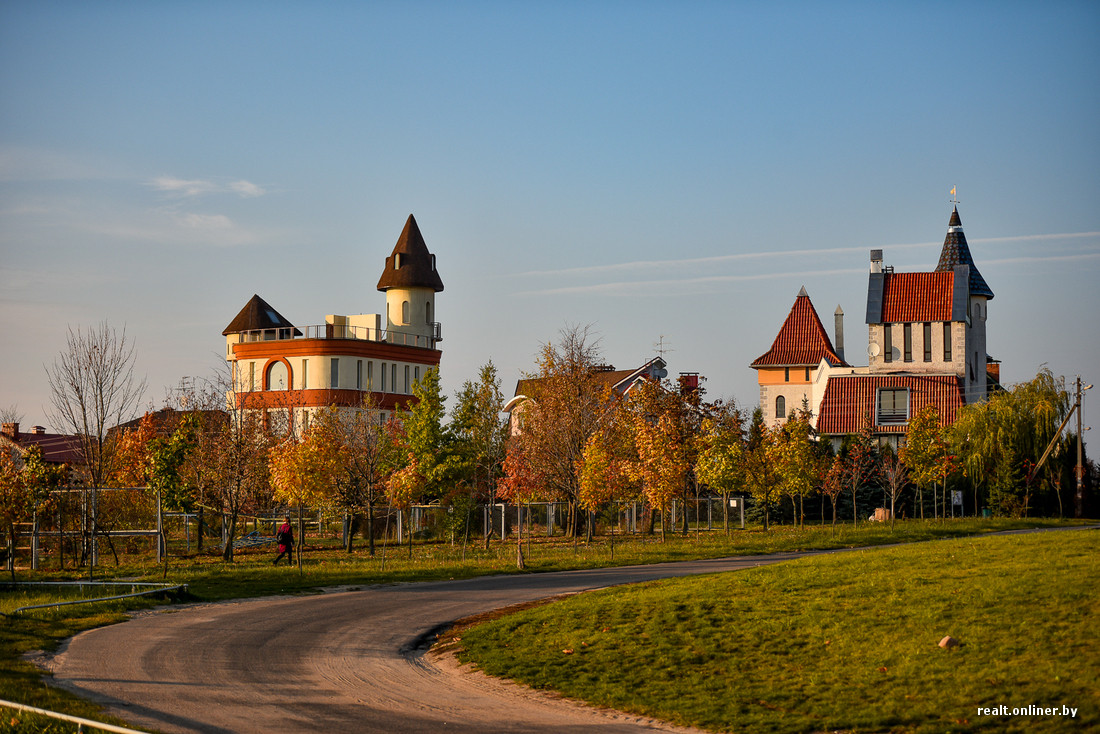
(410, 265)
(258, 314)
(957, 252)
(802, 341)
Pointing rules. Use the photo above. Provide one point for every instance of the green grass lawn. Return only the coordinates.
(327, 565)
(845, 642)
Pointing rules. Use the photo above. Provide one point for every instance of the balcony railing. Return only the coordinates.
(343, 331)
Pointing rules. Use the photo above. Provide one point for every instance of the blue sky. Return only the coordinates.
(675, 169)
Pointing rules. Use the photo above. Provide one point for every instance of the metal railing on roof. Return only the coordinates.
(345, 331)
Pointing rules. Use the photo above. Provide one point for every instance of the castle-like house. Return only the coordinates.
(926, 346)
(290, 372)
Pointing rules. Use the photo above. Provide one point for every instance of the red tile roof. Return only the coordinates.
(849, 399)
(56, 448)
(909, 297)
(801, 342)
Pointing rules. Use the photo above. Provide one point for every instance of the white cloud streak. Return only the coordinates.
(695, 284)
(642, 265)
(189, 188)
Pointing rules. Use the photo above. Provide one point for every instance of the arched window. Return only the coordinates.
(780, 408)
(404, 312)
(277, 377)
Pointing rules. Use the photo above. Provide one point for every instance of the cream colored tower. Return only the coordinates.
(410, 282)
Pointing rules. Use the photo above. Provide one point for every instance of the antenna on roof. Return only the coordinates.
(661, 348)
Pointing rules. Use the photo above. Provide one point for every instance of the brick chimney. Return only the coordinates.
(11, 430)
(38, 430)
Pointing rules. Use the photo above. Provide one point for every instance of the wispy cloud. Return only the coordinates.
(689, 283)
(672, 285)
(683, 263)
(200, 187)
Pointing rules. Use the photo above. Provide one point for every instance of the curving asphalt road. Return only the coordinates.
(338, 662)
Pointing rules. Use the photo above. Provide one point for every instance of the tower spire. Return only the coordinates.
(957, 252)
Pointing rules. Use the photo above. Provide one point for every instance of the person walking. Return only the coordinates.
(285, 536)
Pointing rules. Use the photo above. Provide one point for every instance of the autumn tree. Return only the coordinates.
(303, 472)
(404, 487)
(859, 465)
(925, 454)
(130, 459)
(363, 450)
(797, 461)
(240, 449)
(834, 482)
(610, 469)
(720, 462)
(761, 471)
(895, 478)
(92, 389)
(564, 404)
(663, 442)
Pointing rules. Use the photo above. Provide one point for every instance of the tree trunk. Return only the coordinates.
(301, 538)
(201, 529)
(370, 527)
(726, 512)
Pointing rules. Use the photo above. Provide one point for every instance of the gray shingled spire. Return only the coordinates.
(957, 252)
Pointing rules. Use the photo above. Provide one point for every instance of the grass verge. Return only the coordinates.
(845, 642)
(327, 565)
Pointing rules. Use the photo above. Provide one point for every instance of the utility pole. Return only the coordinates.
(1079, 498)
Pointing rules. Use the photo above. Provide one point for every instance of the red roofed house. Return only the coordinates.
(56, 448)
(618, 381)
(291, 372)
(789, 372)
(926, 345)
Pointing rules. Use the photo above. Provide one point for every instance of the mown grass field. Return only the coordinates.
(832, 643)
(327, 565)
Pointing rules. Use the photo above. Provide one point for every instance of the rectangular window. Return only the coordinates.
(305, 377)
(251, 376)
(383, 377)
(927, 342)
(786, 374)
(406, 379)
(887, 343)
(370, 375)
(947, 342)
(807, 374)
(893, 406)
(907, 337)
(334, 373)
(359, 375)
(416, 374)
(393, 377)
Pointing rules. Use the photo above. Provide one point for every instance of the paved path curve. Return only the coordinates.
(337, 662)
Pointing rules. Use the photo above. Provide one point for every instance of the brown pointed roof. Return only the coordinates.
(802, 341)
(415, 268)
(258, 314)
(957, 252)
